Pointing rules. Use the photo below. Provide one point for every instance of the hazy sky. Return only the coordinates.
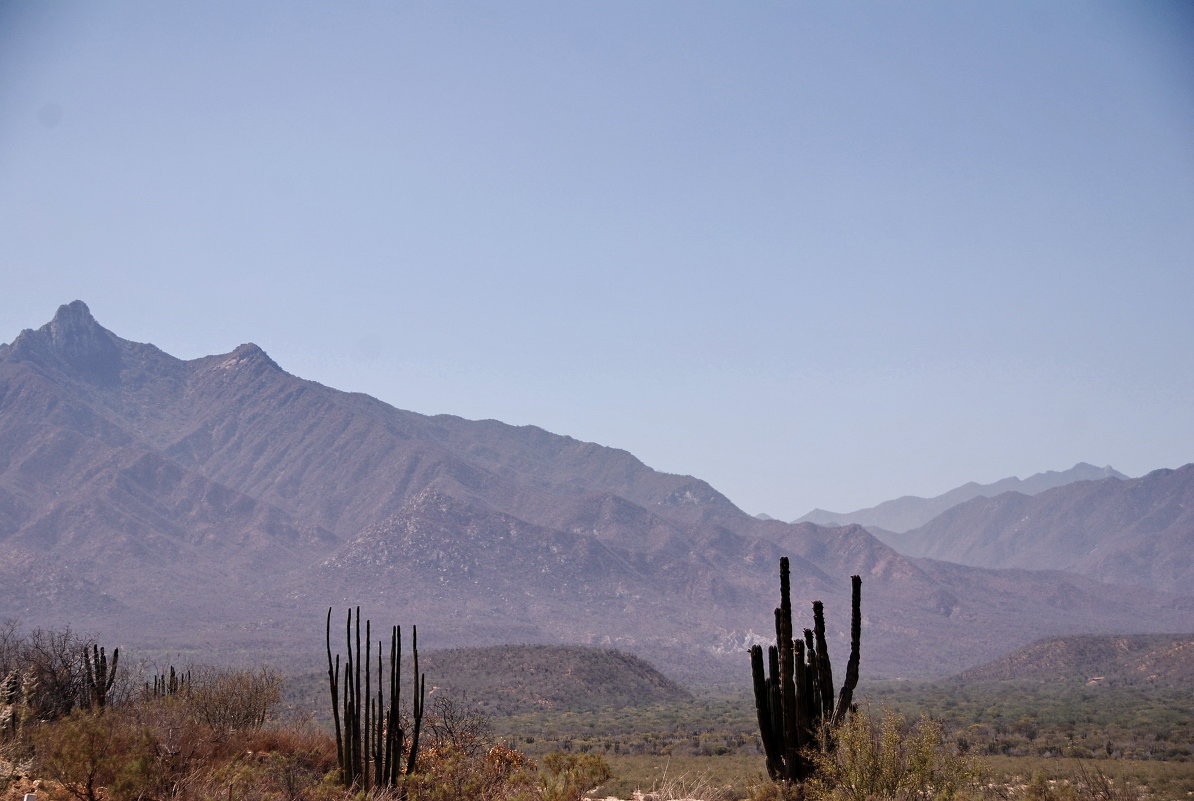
(816, 253)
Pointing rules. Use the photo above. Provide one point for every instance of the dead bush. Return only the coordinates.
(232, 700)
(456, 724)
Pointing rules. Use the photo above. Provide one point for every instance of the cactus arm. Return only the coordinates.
(763, 712)
(847, 694)
(333, 682)
(824, 669)
(420, 687)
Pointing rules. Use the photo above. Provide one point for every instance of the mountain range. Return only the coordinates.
(1121, 531)
(910, 511)
(218, 506)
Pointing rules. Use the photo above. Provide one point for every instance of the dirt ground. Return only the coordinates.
(20, 786)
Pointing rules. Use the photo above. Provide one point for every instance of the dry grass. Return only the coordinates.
(671, 778)
(1159, 781)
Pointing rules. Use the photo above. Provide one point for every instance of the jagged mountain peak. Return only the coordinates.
(71, 319)
(247, 355)
(74, 342)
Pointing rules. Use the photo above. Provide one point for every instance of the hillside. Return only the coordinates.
(513, 679)
(221, 505)
(910, 511)
(504, 680)
(1154, 659)
(1137, 531)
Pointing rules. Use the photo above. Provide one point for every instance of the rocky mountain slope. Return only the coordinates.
(220, 505)
(1136, 531)
(910, 511)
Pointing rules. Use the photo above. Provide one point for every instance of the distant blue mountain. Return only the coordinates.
(910, 511)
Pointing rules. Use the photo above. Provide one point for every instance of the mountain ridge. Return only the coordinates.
(1136, 531)
(911, 511)
(221, 502)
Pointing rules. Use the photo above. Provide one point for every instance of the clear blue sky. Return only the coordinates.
(816, 253)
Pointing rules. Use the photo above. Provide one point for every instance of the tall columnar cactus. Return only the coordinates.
(370, 739)
(100, 675)
(794, 691)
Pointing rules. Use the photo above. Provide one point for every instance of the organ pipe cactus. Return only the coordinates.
(165, 685)
(794, 699)
(370, 740)
(100, 675)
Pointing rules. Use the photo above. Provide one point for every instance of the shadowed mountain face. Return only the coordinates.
(910, 511)
(1134, 531)
(222, 504)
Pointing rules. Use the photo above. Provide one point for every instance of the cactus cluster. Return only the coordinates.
(794, 696)
(371, 743)
(167, 684)
(49, 674)
(99, 674)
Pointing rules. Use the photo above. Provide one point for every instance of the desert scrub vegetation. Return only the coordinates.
(214, 733)
(1055, 720)
(175, 745)
(45, 675)
(173, 748)
(1052, 779)
(1046, 723)
(884, 757)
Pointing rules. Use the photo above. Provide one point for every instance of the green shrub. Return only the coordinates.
(450, 773)
(86, 751)
(885, 758)
(569, 776)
